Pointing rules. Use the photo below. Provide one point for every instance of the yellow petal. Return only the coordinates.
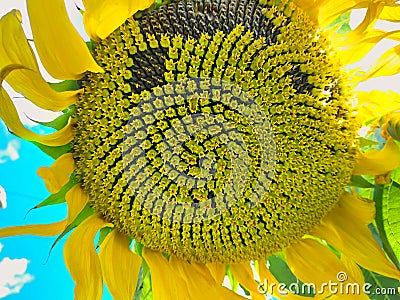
(244, 274)
(9, 115)
(178, 279)
(76, 199)
(373, 12)
(352, 268)
(61, 50)
(312, 262)
(378, 162)
(391, 14)
(376, 103)
(15, 49)
(36, 229)
(345, 228)
(387, 64)
(218, 271)
(200, 282)
(329, 11)
(355, 47)
(102, 18)
(166, 283)
(57, 175)
(82, 261)
(119, 265)
(352, 203)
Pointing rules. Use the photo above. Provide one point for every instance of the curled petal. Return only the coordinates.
(62, 51)
(373, 12)
(76, 199)
(15, 50)
(378, 162)
(9, 115)
(57, 175)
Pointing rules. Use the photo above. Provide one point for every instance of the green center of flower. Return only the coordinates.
(219, 131)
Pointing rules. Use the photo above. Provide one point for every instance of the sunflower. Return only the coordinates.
(202, 137)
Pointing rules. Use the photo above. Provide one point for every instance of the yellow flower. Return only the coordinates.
(213, 134)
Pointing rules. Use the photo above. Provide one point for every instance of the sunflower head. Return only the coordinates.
(218, 131)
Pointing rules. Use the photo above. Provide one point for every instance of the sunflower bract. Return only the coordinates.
(272, 53)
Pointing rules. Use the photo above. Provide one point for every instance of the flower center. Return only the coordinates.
(219, 131)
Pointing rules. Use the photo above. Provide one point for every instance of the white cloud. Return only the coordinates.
(3, 203)
(13, 275)
(11, 152)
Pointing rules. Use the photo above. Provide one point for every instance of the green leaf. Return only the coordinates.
(342, 23)
(361, 182)
(143, 288)
(390, 216)
(246, 292)
(283, 274)
(367, 142)
(345, 28)
(232, 279)
(66, 85)
(147, 292)
(387, 207)
(138, 247)
(90, 45)
(59, 122)
(54, 152)
(83, 215)
(60, 196)
(380, 287)
(103, 234)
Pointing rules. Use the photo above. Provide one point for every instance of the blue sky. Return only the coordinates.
(24, 189)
